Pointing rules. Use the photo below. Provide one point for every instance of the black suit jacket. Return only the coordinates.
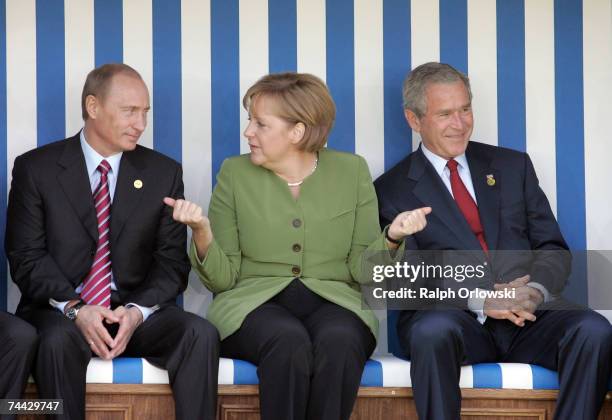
(51, 233)
(514, 212)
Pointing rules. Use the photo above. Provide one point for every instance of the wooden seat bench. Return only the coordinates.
(133, 389)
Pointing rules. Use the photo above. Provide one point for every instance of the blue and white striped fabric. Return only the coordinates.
(381, 371)
(540, 72)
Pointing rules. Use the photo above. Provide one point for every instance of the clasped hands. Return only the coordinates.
(90, 321)
(519, 309)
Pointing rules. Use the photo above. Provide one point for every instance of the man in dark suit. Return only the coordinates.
(98, 258)
(486, 199)
(18, 343)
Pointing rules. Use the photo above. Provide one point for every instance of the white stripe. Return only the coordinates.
(369, 84)
(99, 259)
(226, 371)
(466, 379)
(104, 244)
(103, 210)
(311, 37)
(482, 68)
(395, 371)
(101, 187)
(94, 297)
(21, 94)
(516, 376)
(152, 374)
(102, 198)
(540, 93)
(102, 235)
(97, 283)
(99, 371)
(103, 301)
(20, 78)
(597, 52)
(253, 34)
(103, 221)
(138, 50)
(79, 39)
(196, 90)
(425, 38)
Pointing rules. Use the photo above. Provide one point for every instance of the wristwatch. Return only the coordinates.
(72, 312)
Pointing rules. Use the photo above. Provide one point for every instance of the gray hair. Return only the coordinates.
(418, 79)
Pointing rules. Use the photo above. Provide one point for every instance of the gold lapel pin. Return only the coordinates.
(138, 184)
(490, 180)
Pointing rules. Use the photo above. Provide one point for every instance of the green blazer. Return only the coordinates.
(264, 238)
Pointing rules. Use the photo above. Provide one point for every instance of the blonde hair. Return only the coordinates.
(299, 98)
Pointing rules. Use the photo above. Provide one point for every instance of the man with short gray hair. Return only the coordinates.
(485, 199)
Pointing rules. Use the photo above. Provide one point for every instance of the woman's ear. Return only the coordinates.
(297, 132)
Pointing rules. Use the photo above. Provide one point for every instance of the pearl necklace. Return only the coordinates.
(297, 184)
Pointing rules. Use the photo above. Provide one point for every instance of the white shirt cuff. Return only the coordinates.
(542, 289)
(144, 310)
(476, 305)
(58, 305)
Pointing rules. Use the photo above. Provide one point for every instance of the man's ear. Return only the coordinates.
(413, 120)
(91, 105)
(297, 132)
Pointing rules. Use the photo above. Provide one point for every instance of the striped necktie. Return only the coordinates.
(96, 287)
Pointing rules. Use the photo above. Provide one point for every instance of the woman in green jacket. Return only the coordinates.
(290, 222)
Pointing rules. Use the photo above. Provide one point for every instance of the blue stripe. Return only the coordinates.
(167, 89)
(225, 89)
(511, 74)
(544, 378)
(245, 373)
(341, 71)
(372, 374)
(453, 34)
(127, 370)
(569, 128)
(393, 344)
(167, 97)
(487, 375)
(108, 31)
(282, 35)
(3, 157)
(50, 64)
(396, 64)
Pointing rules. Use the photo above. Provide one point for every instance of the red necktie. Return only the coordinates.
(466, 204)
(96, 287)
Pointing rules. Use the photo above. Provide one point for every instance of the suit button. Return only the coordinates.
(297, 247)
(296, 223)
(295, 270)
(93, 252)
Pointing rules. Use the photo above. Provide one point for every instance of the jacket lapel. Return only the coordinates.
(485, 179)
(432, 192)
(74, 180)
(127, 195)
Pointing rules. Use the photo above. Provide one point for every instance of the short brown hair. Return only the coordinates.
(99, 79)
(300, 97)
(422, 76)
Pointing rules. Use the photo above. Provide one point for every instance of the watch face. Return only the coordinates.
(72, 313)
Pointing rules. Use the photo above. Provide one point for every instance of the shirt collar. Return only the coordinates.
(93, 158)
(439, 163)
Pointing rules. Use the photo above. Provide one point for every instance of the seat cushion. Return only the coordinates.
(380, 371)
